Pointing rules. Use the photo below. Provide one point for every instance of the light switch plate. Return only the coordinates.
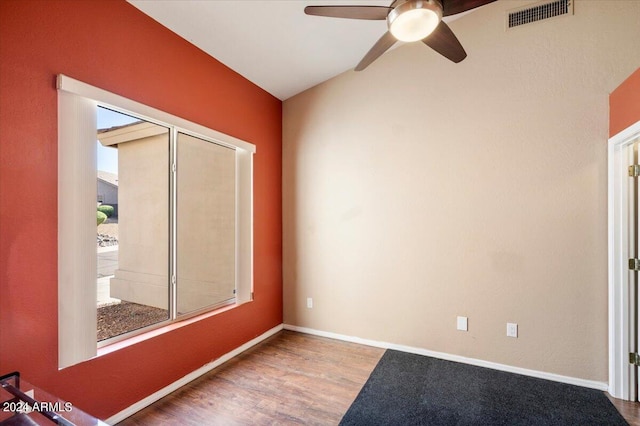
(463, 323)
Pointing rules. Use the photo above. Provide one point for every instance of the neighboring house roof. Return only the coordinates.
(109, 129)
(110, 178)
(116, 135)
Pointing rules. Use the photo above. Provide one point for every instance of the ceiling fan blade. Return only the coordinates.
(445, 42)
(381, 46)
(452, 7)
(374, 13)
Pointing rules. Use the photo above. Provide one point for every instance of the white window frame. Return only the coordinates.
(77, 116)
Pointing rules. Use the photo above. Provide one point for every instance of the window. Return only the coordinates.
(206, 199)
(177, 241)
(133, 244)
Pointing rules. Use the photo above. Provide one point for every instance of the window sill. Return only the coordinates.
(116, 346)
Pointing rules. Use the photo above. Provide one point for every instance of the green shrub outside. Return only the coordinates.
(106, 209)
(101, 217)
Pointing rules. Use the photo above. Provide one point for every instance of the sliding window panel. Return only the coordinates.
(133, 243)
(206, 224)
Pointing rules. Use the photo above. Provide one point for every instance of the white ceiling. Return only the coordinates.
(272, 42)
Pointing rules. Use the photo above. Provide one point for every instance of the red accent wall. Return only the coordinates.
(112, 45)
(624, 104)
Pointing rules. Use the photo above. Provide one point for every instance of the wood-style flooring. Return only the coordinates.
(629, 410)
(290, 378)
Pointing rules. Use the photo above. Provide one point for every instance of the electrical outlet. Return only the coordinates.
(309, 302)
(463, 323)
(512, 329)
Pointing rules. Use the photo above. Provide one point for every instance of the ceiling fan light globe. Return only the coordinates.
(414, 20)
(414, 25)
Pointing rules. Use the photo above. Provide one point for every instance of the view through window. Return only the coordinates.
(132, 249)
(206, 224)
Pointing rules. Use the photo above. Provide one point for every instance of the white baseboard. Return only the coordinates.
(129, 411)
(603, 386)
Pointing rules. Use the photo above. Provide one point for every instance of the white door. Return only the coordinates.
(634, 265)
(624, 227)
(634, 261)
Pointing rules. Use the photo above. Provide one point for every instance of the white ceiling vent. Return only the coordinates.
(538, 12)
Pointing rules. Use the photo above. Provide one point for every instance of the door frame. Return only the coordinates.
(622, 381)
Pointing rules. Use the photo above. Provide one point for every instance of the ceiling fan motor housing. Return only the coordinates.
(414, 20)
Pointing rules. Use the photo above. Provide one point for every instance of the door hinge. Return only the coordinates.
(634, 264)
(634, 358)
(634, 170)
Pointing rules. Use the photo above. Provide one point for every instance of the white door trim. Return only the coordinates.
(621, 309)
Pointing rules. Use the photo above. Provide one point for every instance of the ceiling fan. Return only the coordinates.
(408, 21)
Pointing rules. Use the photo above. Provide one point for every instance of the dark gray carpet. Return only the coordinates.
(407, 389)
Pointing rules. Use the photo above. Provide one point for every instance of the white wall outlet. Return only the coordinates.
(512, 329)
(309, 302)
(463, 323)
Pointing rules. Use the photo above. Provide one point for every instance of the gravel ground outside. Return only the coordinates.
(119, 318)
(109, 227)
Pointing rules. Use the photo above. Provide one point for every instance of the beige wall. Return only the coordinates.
(143, 219)
(419, 190)
(206, 225)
